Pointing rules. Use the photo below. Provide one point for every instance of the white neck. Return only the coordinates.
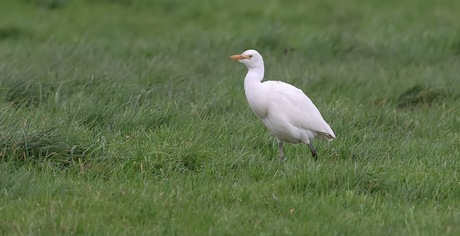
(252, 84)
(255, 75)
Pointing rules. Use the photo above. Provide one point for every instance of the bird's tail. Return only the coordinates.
(327, 136)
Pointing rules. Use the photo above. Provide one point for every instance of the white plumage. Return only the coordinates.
(284, 109)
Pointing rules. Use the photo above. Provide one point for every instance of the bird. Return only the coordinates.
(285, 110)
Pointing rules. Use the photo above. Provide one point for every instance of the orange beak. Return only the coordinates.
(238, 57)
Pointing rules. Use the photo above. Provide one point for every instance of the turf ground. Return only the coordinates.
(125, 117)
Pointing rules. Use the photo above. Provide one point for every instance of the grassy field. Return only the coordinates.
(125, 117)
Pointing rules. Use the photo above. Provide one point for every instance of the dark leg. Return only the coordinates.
(313, 151)
(280, 147)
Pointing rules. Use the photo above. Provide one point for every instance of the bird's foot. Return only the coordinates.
(283, 158)
(315, 155)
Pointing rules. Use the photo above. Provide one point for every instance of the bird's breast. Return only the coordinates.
(257, 102)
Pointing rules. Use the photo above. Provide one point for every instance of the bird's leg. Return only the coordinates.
(313, 151)
(280, 147)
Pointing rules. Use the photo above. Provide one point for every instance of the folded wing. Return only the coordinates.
(299, 109)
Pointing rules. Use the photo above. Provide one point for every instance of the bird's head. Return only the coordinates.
(251, 58)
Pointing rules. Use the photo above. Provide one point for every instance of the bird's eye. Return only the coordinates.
(250, 56)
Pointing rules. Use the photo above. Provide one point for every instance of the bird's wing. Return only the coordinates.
(298, 108)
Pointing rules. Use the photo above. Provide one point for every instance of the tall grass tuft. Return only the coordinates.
(23, 90)
(422, 95)
(41, 145)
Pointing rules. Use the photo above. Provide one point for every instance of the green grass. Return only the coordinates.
(125, 117)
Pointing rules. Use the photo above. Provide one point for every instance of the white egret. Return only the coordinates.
(284, 109)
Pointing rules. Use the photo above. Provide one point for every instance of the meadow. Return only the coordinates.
(126, 117)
